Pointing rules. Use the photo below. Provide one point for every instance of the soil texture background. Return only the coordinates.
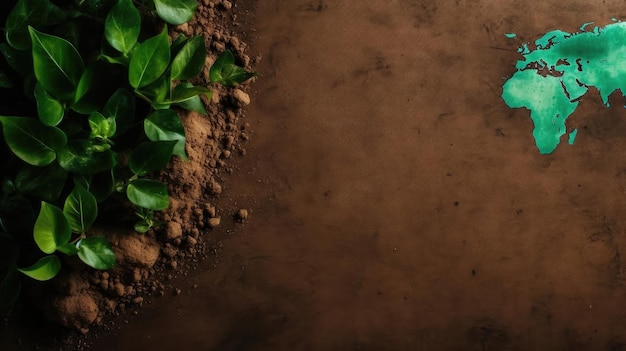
(394, 202)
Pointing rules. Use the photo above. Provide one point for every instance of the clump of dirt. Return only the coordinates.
(83, 298)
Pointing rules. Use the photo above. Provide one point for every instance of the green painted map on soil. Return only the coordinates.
(551, 78)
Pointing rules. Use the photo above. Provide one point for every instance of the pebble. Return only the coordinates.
(216, 188)
(229, 141)
(136, 274)
(242, 98)
(214, 222)
(120, 289)
(218, 46)
(191, 241)
(227, 5)
(138, 300)
(242, 214)
(174, 230)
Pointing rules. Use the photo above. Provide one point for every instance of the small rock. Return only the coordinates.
(191, 241)
(214, 222)
(136, 274)
(174, 230)
(120, 289)
(227, 5)
(195, 233)
(218, 46)
(228, 142)
(242, 215)
(169, 251)
(211, 211)
(216, 188)
(183, 28)
(242, 98)
(138, 300)
(173, 264)
(110, 305)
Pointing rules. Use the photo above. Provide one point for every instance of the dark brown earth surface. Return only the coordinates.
(394, 201)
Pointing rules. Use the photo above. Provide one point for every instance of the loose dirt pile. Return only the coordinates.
(83, 298)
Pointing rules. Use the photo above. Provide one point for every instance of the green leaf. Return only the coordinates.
(69, 31)
(121, 106)
(150, 156)
(117, 60)
(189, 61)
(186, 91)
(99, 184)
(178, 44)
(96, 252)
(158, 91)
(57, 64)
(5, 82)
(49, 109)
(81, 209)
(20, 60)
(46, 183)
(122, 26)
(96, 84)
(141, 227)
(193, 104)
(68, 249)
(31, 141)
(165, 125)
(44, 269)
(224, 71)
(81, 156)
(149, 194)
(149, 60)
(100, 126)
(97, 8)
(51, 228)
(30, 12)
(176, 11)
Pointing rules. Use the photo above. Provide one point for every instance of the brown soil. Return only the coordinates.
(396, 203)
(82, 299)
(401, 204)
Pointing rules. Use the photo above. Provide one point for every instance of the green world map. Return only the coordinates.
(551, 78)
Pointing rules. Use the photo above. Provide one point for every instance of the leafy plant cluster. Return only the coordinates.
(102, 76)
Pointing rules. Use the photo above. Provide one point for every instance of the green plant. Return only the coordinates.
(103, 86)
(53, 232)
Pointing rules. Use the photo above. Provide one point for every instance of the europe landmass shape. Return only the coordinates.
(551, 78)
